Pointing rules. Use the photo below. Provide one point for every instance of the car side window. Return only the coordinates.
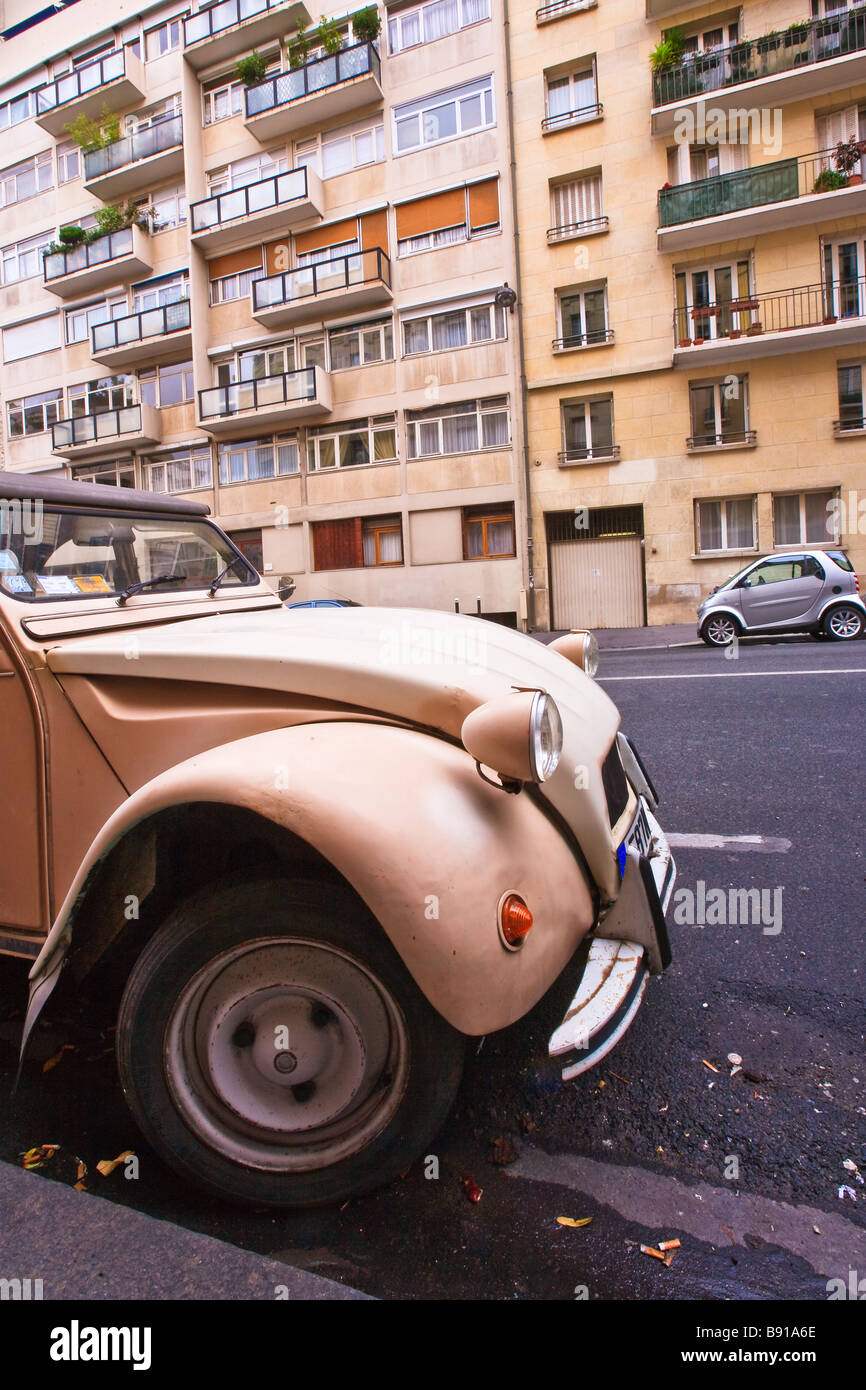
(812, 567)
(774, 571)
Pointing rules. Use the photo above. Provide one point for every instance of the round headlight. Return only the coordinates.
(545, 734)
(579, 647)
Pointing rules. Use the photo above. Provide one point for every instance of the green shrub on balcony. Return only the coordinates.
(366, 24)
(829, 180)
(299, 48)
(669, 51)
(109, 219)
(251, 70)
(329, 36)
(90, 134)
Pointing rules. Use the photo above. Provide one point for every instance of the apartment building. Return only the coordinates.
(301, 311)
(693, 294)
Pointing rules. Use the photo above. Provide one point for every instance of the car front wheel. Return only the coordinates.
(843, 623)
(719, 630)
(275, 1050)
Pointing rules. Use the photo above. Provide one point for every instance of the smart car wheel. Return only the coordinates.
(719, 630)
(843, 622)
(275, 1050)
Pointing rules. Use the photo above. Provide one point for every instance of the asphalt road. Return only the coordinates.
(654, 1143)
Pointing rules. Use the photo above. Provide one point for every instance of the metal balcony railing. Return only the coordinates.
(107, 248)
(560, 7)
(749, 188)
(341, 273)
(154, 139)
(580, 340)
(600, 453)
(807, 306)
(714, 441)
(811, 42)
(133, 328)
(219, 17)
(566, 118)
(87, 429)
(267, 193)
(354, 61)
(88, 78)
(852, 422)
(288, 388)
(572, 229)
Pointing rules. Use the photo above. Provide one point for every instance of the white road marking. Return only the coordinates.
(764, 844)
(732, 675)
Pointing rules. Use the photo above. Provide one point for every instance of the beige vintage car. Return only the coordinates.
(301, 856)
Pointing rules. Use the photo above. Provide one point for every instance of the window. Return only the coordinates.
(18, 109)
(361, 344)
(25, 180)
(164, 289)
(445, 116)
(257, 363)
(688, 163)
(425, 23)
(704, 296)
(488, 534)
(701, 40)
(181, 470)
(29, 339)
(106, 393)
(456, 328)
(351, 443)
(805, 518)
(442, 219)
(246, 171)
(341, 150)
(726, 524)
(169, 208)
(462, 428)
(583, 318)
(249, 543)
(163, 386)
(111, 474)
(162, 39)
(236, 286)
(845, 278)
(382, 541)
(150, 116)
(588, 431)
(68, 162)
(80, 321)
(575, 208)
(222, 100)
(33, 414)
(23, 259)
(719, 412)
(249, 460)
(851, 410)
(571, 97)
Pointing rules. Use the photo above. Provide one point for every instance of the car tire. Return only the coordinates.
(719, 630)
(843, 623)
(275, 1050)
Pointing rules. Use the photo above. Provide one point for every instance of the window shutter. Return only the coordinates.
(249, 259)
(484, 204)
(432, 213)
(337, 545)
(374, 230)
(331, 235)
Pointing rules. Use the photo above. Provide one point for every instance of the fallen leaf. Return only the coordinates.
(570, 1221)
(108, 1165)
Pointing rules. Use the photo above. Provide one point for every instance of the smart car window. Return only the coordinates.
(841, 560)
(811, 567)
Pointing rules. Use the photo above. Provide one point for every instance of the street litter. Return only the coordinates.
(851, 1167)
(472, 1190)
(617, 1077)
(108, 1165)
(38, 1157)
(846, 1191)
(669, 1245)
(80, 1175)
(666, 1251)
(570, 1221)
(735, 1059)
(709, 1064)
(52, 1061)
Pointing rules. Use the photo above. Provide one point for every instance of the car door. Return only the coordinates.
(22, 865)
(780, 590)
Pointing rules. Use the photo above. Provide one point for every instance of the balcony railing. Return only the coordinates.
(219, 17)
(88, 429)
(573, 229)
(562, 7)
(88, 78)
(341, 273)
(581, 340)
(154, 139)
(807, 306)
(850, 424)
(267, 193)
(107, 248)
(601, 453)
(289, 388)
(134, 328)
(567, 118)
(747, 188)
(317, 76)
(715, 441)
(812, 42)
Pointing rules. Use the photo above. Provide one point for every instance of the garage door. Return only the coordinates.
(597, 580)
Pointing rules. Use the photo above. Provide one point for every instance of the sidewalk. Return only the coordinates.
(624, 639)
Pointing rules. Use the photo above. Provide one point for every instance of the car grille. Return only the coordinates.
(615, 784)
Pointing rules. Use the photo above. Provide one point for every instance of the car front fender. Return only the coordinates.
(425, 842)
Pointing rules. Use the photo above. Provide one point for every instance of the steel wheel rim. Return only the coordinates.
(845, 622)
(294, 1100)
(721, 631)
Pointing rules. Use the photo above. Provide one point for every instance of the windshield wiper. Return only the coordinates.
(146, 584)
(222, 574)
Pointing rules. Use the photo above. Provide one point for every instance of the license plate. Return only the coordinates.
(640, 834)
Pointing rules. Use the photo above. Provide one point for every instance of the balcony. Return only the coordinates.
(596, 337)
(767, 198)
(153, 335)
(603, 453)
(235, 27)
(312, 94)
(273, 401)
(90, 436)
(592, 226)
(728, 439)
(797, 320)
(565, 119)
(116, 81)
(270, 205)
(559, 8)
(851, 424)
(113, 259)
(823, 55)
(137, 162)
(332, 287)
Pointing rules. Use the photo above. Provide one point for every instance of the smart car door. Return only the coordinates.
(779, 591)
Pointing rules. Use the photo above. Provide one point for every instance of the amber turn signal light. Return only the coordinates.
(515, 920)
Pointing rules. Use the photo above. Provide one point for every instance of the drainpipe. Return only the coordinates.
(527, 485)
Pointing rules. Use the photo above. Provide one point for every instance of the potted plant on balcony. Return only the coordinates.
(754, 329)
(299, 48)
(329, 37)
(90, 134)
(769, 42)
(366, 25)
(251, 70)
(828, 181)
(796, 36)
(847, 158)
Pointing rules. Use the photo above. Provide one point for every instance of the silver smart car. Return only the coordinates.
(812, 591)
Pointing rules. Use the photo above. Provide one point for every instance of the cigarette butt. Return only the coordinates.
(669, 1245)
(649, 1250)
(710, 1065)
(669, 1258)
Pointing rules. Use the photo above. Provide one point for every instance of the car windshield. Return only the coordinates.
(65, 554)
(737, 575)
